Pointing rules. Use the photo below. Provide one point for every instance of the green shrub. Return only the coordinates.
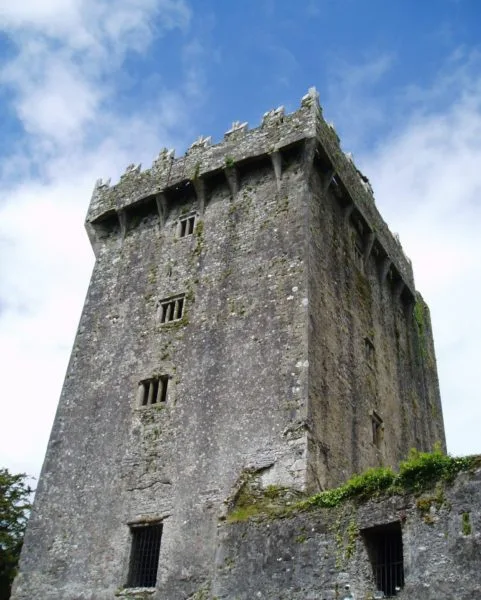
(421, 471)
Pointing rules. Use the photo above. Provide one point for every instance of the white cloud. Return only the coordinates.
(352, 99)
(427, 180)
(69, 52)
(63, 83)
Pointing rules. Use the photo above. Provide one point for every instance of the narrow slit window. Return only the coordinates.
(385, 549)
(369, 350)
(144, 555)
(171, 309)
(153, 391)
(186, 226)
(377, 429)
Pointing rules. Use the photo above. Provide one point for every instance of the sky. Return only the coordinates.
(90, 86)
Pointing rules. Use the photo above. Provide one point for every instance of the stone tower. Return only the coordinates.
(249, 312)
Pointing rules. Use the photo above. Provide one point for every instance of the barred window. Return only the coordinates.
(153, 391)
(144, 555)
(385, 549)
(171, 309)
(186, 225)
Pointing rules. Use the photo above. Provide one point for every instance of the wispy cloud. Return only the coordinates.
(427, 181)
(353, 99)
(63, 87)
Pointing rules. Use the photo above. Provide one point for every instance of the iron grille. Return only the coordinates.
(144, 557)
(171, 310)
(386, 553)
(187, 226)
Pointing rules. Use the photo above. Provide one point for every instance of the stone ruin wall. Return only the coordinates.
(315, 555)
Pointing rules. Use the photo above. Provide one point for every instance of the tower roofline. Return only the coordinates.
(276, 132)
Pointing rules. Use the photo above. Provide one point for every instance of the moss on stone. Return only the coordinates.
(421, 472)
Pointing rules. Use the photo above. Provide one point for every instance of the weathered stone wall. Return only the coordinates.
(314, 555)
(266, 372)
(236, 395)
(370, 349)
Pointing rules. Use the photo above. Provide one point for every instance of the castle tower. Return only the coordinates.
(249, 313)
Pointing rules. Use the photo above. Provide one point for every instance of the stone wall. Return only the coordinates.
(237, 388)
(371, 354)
(315, 555)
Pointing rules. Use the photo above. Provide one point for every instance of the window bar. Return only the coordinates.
(145, 556)
(155, 384)
(162, 395)
(141, 394)
(388, 569)
(179, 306)
(151, 393)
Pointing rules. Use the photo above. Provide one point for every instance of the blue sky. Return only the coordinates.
(90, 86)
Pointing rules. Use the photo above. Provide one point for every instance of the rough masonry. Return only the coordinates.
(249, 312)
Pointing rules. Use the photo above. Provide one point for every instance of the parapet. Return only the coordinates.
(276, 134)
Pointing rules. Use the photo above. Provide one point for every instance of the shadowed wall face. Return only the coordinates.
(373, 390)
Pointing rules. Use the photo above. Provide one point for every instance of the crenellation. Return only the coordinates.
(273, 117)
(200, 143)
(237, 131)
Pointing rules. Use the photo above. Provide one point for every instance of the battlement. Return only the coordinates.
(304, 131)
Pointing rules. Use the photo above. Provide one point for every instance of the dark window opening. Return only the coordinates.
(144, 555)
(186, 226)
(377, 429)
(369, 350)
(171, 310)
(153, 391)
(385, 549)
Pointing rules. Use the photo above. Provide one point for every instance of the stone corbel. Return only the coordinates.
(199, 186)
(308, 155)
(122, 216)
(398, 288)
(161, 201)
(369, 243)
(385, 266)
(328, 180)
(347, 212)
(276, 159)
(232, 176)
